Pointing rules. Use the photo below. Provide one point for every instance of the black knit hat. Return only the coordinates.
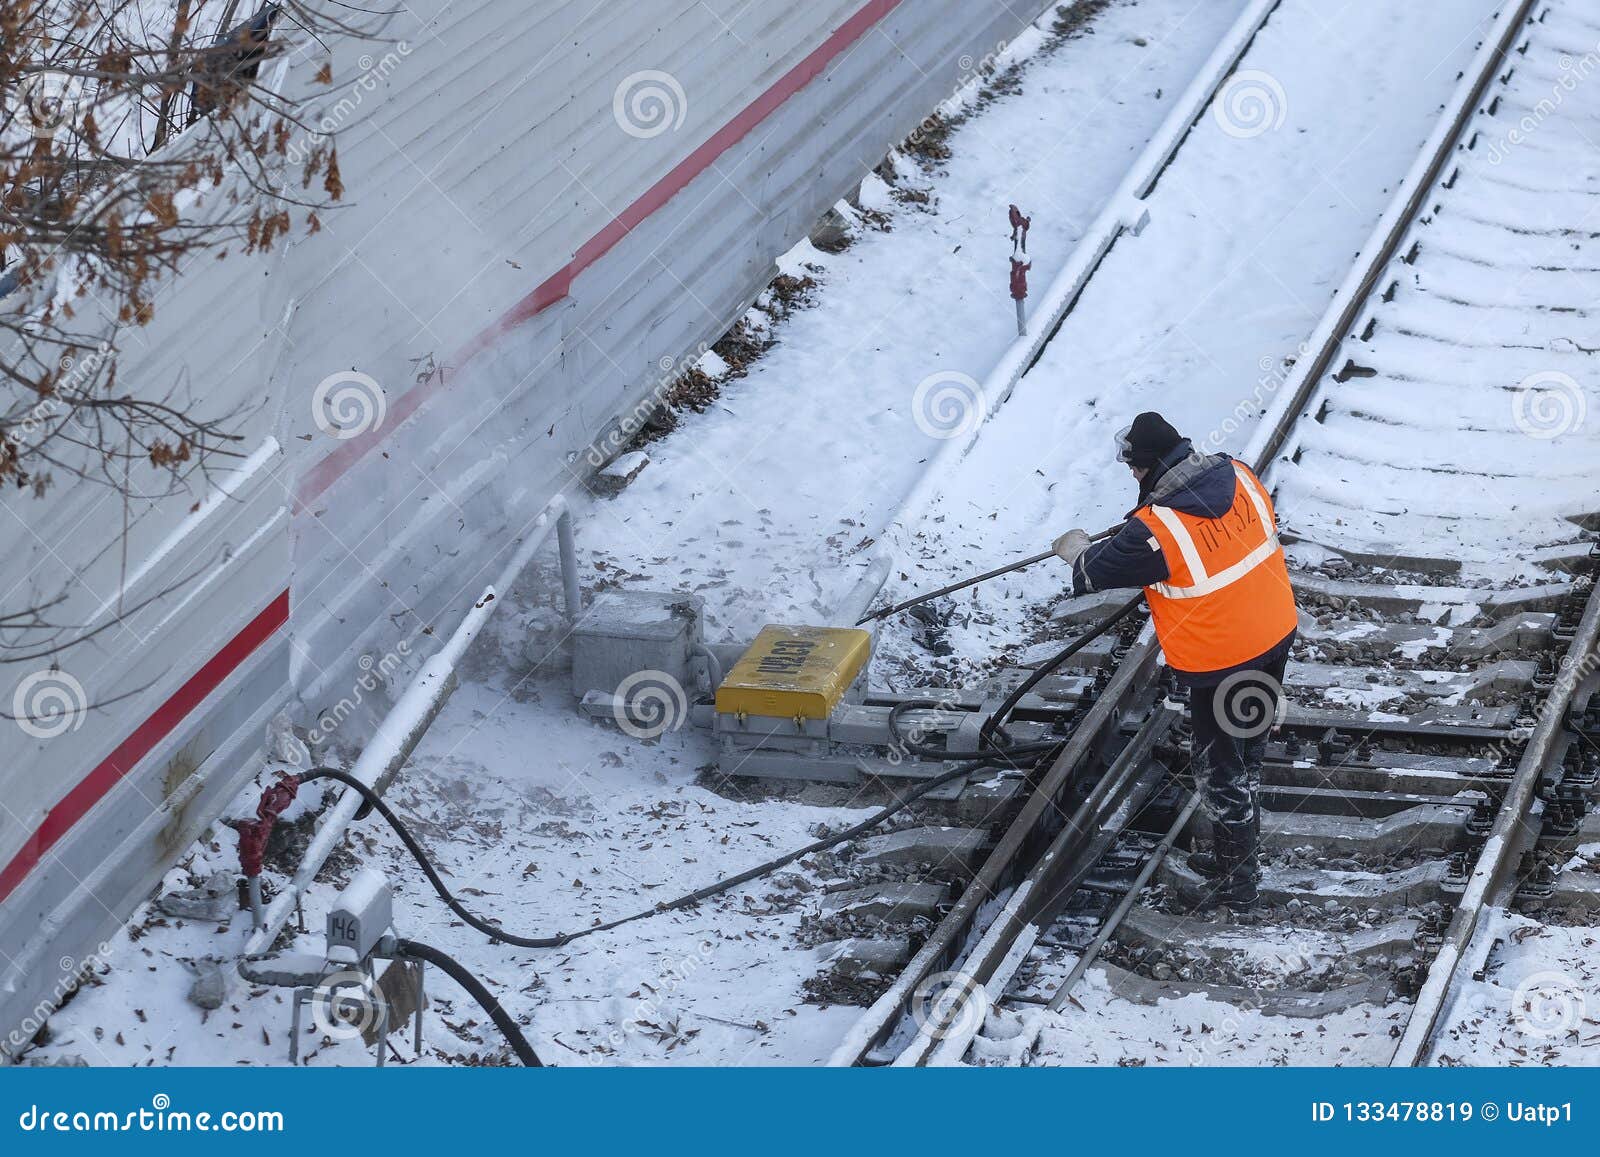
(1147, 441)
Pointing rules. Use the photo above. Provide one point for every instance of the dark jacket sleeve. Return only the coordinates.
(1130, 558)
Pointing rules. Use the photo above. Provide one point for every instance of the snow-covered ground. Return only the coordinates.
(767, 503)
(1538, 1002)
(1191, 1030)
(763, 502)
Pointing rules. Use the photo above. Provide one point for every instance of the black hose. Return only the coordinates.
(412, 950)
(997, 721)
(561, 938)
(997, 755)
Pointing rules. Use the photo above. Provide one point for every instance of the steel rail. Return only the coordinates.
(1339, 320)
(1493, 880)
(1129, 898)
(1108, 928)
(1354, 295)
(1124, 211)
(1121, 794)
(991, 880)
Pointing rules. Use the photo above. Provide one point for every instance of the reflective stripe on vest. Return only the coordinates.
(1201, 582)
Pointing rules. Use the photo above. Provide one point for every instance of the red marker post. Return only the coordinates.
(1020, 267)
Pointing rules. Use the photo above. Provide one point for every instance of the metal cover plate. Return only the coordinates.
(795, 672)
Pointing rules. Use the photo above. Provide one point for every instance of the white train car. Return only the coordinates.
(545, 202)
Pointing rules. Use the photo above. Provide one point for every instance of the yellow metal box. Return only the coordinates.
(795, 672)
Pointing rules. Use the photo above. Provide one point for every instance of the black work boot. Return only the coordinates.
(1209, 863)
(1233, 866)
(1239, 863)
(1205, 863)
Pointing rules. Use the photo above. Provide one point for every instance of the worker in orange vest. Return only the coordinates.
(1203, 543)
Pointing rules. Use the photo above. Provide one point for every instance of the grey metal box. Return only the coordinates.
(625, 633)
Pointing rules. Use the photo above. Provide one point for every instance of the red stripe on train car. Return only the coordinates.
(94, 787)
(555, 287)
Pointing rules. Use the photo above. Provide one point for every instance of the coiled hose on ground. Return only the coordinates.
(496, 932)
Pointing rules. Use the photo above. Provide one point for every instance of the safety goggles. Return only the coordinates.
(1125, 444)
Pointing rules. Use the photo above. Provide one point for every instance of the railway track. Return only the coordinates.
(1439, 738)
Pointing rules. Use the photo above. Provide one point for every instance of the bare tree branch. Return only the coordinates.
(136, 136)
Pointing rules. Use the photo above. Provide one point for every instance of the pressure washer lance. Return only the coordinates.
(976, 579)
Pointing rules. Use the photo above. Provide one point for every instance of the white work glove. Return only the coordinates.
(1071, 545)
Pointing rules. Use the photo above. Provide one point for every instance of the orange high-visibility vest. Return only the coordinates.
(1227, 597)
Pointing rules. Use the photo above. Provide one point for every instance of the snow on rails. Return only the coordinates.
(1437, 746)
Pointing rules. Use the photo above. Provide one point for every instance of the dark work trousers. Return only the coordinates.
(1231, 722)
